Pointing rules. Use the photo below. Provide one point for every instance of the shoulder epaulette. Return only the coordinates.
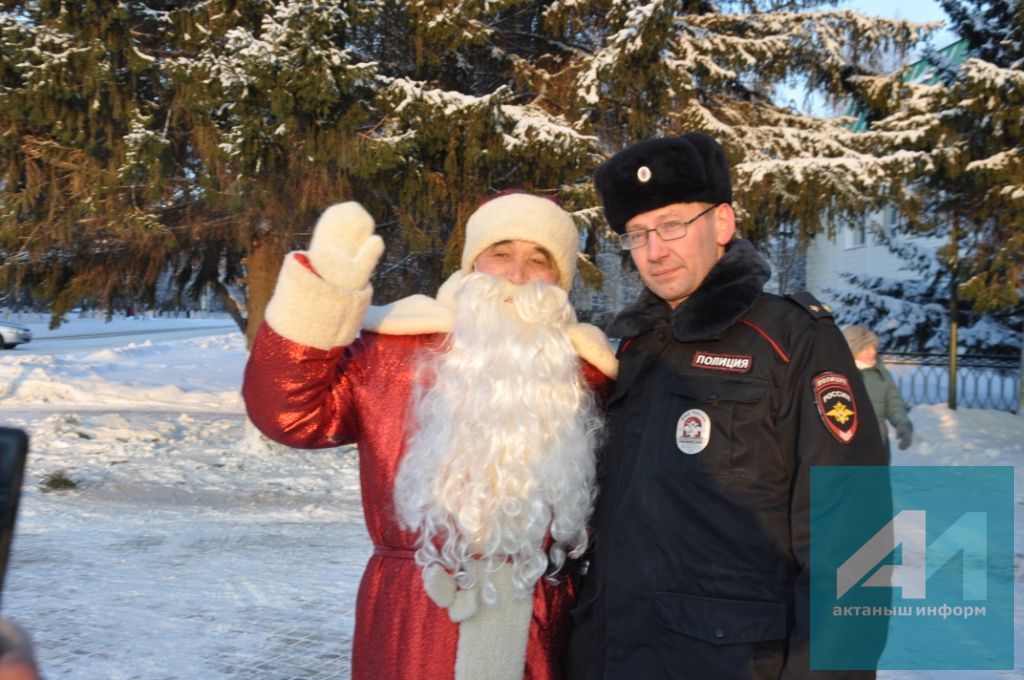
(819, 310)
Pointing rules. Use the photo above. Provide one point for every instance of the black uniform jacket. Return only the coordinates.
(700, 562)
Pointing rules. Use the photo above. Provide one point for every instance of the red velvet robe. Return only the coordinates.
(310, 398)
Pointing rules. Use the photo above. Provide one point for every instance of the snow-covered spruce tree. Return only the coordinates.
(81, 176)
(270, 100)
(535, 94)
(465, 102)
(470, 98)
(662, 67)
(912, 314)
(968, 121)
(263, 113)
(259, 113)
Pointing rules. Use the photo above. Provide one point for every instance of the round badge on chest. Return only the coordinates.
(693, 431)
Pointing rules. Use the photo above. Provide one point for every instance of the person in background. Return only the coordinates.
(476, 417)
(882, 390)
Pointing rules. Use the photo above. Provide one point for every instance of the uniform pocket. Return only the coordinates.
(720, 621)
(720, 638)
(702, 414)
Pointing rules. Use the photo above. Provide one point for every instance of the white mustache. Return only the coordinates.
(534, 301)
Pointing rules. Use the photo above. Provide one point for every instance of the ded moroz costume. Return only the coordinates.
(328, 369)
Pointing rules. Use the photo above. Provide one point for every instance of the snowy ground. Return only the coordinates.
(189, 551)
(184, 552)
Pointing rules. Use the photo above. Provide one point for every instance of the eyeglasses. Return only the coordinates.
(667, 231)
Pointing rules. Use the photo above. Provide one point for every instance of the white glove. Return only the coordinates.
(344, 250)
(443, 591)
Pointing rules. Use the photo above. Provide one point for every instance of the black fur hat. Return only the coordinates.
(654, 173)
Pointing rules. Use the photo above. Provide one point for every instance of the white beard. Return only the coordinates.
(501, 451)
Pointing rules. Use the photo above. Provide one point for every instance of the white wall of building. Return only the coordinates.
(855, 248)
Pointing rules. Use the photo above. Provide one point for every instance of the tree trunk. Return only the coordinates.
(263, 262)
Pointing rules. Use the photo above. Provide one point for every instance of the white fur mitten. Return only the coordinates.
(344, 250)
(324, 308)
(444, 592)
(440, 585)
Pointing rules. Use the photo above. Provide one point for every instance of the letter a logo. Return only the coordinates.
(919, 560)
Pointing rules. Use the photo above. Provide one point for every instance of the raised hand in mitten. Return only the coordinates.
(322, 294)
(344, 250)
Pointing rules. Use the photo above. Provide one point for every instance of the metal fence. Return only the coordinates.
(982, 381)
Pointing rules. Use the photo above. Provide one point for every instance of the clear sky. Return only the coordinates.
(913, 10)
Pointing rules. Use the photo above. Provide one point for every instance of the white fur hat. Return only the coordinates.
(524, 217)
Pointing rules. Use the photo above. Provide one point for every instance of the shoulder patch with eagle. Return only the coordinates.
(836, 406)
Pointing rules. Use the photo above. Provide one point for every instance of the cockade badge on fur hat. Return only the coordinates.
(654, 173)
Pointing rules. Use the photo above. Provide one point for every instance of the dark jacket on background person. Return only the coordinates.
(700, 565)
(887, 403)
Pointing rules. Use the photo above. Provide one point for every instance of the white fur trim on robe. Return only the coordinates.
(309, 311)
(419, 314)
(492, 642)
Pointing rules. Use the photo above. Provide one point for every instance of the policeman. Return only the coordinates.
(726, 397)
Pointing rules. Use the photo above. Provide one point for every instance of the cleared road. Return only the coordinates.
(98, 334)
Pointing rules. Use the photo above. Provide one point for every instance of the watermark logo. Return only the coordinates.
(906, 531)
(911, 568)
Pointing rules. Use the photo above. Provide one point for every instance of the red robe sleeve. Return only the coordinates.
(598, 382)
(302, 396)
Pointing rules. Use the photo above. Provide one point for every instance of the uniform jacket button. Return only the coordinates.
(719, 633)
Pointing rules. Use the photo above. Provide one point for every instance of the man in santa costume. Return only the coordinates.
(475, 417)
